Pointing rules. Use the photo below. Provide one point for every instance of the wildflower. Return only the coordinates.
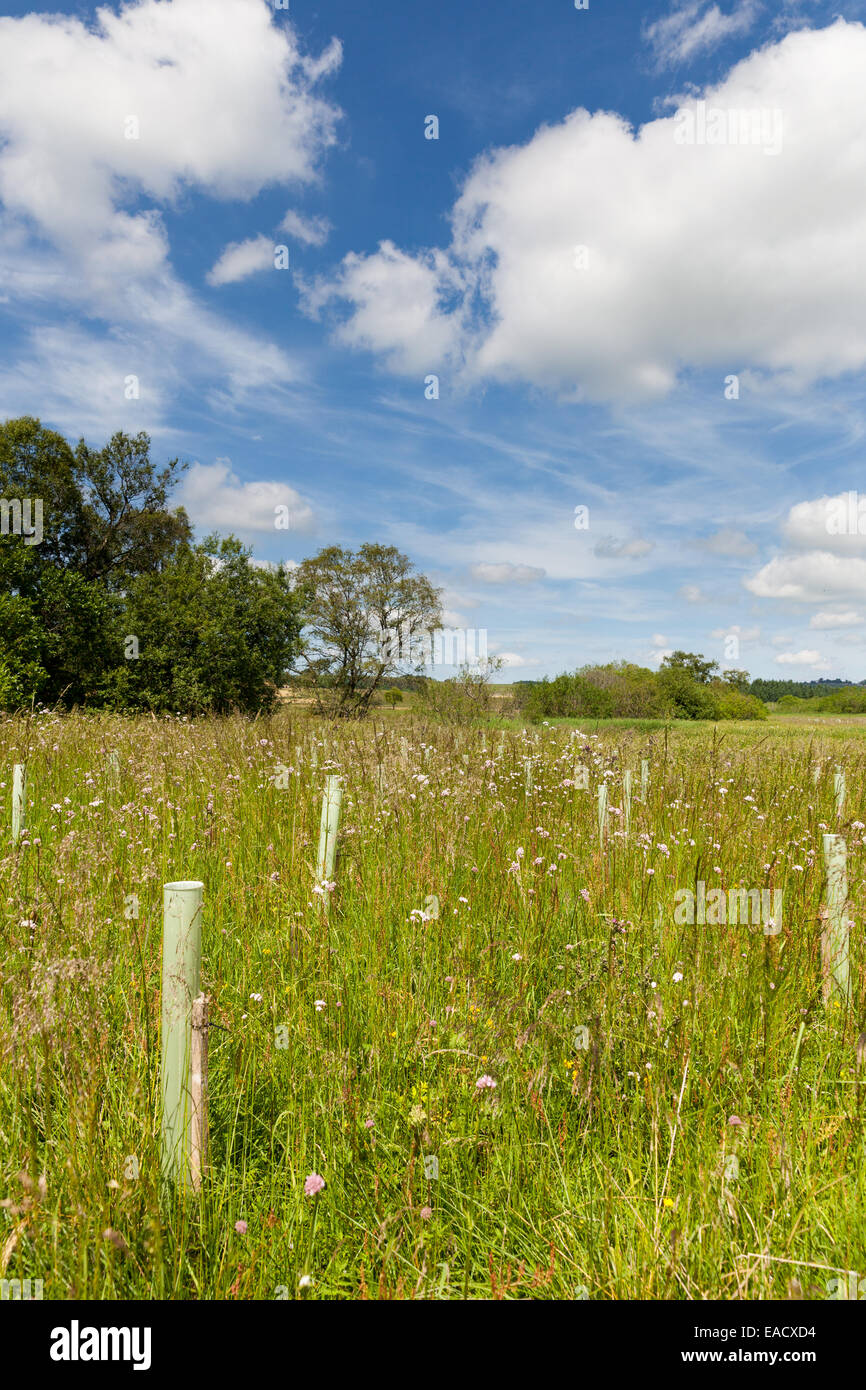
(305, 1281)
(257, 997)
(485, 1083)
(417, 1115)
(678, 975)
(517, 956)
(313, 1184)
(241, 1227)
(320, 1005)
(368, 1123)
(584, 894)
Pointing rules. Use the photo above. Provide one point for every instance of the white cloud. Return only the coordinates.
(397, 306)
(705, 272)
(728, 541)
(692, 593)
(812, 577)
(611, 548)
(512, 660)
(240, 259)
(745, 634)
(827, 621)
(802, 658)
(102, 125)
(506, 574)
(695, 27)
(312, 231)
(827, 523)
(216, 497)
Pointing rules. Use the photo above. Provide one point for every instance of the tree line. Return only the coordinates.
(107, 601)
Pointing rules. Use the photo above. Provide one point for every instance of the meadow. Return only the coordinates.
(516, 1073)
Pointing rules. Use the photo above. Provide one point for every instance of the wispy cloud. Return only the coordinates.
(695, 28)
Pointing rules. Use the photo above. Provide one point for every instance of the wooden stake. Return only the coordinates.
(19, 800)
(839, 789)
(198, 1148)
(181, 967)
(626, 788)
(644, 778)
(527, 768)
(835, 937)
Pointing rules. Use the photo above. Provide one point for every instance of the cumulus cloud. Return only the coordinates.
(240, 259)
(694, 28)
(827, 621)
(215, 497)
(398, 305)
(802, 658)
(312, 231)
(104, 124)
(812, 577)
(825, 556)
(609, 547)
(828, 523)
(506, 574)
(545, 281)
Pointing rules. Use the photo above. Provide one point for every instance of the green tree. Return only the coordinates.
(361, 610)
(694, 664)
(212, 632)
(103, 519)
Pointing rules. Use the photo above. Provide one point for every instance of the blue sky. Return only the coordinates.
(626, 308)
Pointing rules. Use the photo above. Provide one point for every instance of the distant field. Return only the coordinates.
(620, 1104)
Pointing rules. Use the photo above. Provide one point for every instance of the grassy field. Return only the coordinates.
(666, 1111)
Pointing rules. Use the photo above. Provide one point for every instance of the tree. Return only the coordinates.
(104, 513)
(693, 664)
(393, 697)
(363, 611)
(97, 519)
(463, 697)
(212, 633)
(738, 679)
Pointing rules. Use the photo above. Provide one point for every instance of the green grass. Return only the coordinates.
(599, 1169)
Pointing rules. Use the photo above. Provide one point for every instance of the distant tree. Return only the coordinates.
(738, 679)
(393, 697)
(693, 664)
(464, 697)
(354, 601)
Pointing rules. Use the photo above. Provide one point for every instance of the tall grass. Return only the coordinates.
(349, 1042)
